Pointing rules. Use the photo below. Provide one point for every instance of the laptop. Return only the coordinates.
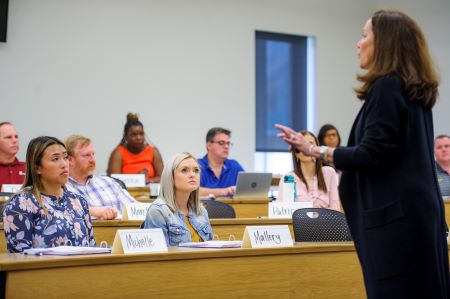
(253, 185)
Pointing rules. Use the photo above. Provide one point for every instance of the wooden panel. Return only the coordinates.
(105, 230)
(317, 272)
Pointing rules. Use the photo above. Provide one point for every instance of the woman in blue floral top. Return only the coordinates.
(44, 213)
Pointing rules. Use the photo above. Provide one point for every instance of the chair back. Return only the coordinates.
(120, 182)
(217, 209)
(320, 225)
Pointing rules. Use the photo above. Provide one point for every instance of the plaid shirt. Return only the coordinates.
(100, 191)
(443, 180)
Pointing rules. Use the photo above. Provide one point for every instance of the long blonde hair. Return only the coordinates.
(167, 191)
(35, 152)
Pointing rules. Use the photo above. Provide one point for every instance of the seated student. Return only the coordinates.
(313, 182)
(442, 156)
(104, 195)
(134, 154)
(178, 210)
(219, 174)
(12, 171)
(329, 136)
(44, 213)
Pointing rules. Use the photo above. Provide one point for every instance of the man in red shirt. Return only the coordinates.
(12, 171)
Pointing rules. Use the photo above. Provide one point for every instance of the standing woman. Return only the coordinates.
(134, 154)
(313, 181)
(178, 210)
(44, 213)
(388, 188)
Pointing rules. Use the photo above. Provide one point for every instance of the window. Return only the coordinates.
(284, 94)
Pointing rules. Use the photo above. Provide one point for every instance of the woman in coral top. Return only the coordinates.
(134, 154)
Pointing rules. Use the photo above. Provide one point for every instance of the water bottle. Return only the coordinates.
(289, 192)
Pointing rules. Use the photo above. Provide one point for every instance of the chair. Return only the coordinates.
(320, 225)
(120, 182)
(6, 194)
(217, 209)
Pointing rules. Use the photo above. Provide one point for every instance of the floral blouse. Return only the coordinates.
(67, 222)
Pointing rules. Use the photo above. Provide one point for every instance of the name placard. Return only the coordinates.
(131, 180)
(132, 241)
(13, 188)
(135, 211)
(286, 209)
(267, 236)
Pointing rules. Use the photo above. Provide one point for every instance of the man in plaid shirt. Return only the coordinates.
(104, 195)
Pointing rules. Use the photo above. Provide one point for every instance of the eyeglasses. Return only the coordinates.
(223, 143)
(334, 135)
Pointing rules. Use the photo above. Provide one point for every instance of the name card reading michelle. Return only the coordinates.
(131, 180)
(132, 241)
(13, 188)
(286, 209)
(267, 236)
(135, 211)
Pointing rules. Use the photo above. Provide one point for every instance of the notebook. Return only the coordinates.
(253, 185)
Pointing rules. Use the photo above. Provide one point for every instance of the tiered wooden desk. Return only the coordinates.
(303, 271)
(105, 230)
(244, 208)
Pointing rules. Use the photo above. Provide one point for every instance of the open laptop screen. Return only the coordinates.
(253, 185)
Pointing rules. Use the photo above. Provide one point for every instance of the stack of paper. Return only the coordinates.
(213, 244)
(67, 250)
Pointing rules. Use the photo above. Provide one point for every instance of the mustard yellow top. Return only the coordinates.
(194, 235)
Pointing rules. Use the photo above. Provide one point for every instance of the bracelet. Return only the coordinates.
(310, 149)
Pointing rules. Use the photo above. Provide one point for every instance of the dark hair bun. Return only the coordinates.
(132, 116)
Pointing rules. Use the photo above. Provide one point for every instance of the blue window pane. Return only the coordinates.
(281, 66)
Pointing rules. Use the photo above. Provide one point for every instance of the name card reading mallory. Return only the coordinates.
(267, 236)
(131, 180)
(286, 209)
(135, 211)
(129, 241)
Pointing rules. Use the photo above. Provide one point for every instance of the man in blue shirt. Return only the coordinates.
(442, 156)
(218, 173)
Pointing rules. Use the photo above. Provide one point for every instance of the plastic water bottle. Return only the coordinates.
(289, 193)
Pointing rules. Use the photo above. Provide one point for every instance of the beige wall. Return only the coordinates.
(80, 66)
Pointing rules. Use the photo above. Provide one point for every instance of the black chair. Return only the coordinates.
(320, 225)
(217, 209)
(6, 194)
(120, 182)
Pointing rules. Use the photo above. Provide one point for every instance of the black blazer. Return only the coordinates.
(390, 196)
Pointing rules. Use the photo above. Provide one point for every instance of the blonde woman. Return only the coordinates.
(44, 213)
(178, 210)
(313, 181)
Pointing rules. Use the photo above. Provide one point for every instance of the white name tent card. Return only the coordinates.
(13, 188)
(267, 236)
(132, 241)
(131, 180)
(134, 211)
(286, 209)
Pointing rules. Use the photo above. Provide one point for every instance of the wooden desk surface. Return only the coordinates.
(244, 208)
(303, 271)
(105, 230)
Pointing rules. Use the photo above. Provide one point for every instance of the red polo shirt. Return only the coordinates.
(12, 173)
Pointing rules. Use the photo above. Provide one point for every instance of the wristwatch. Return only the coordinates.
(324, 154)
